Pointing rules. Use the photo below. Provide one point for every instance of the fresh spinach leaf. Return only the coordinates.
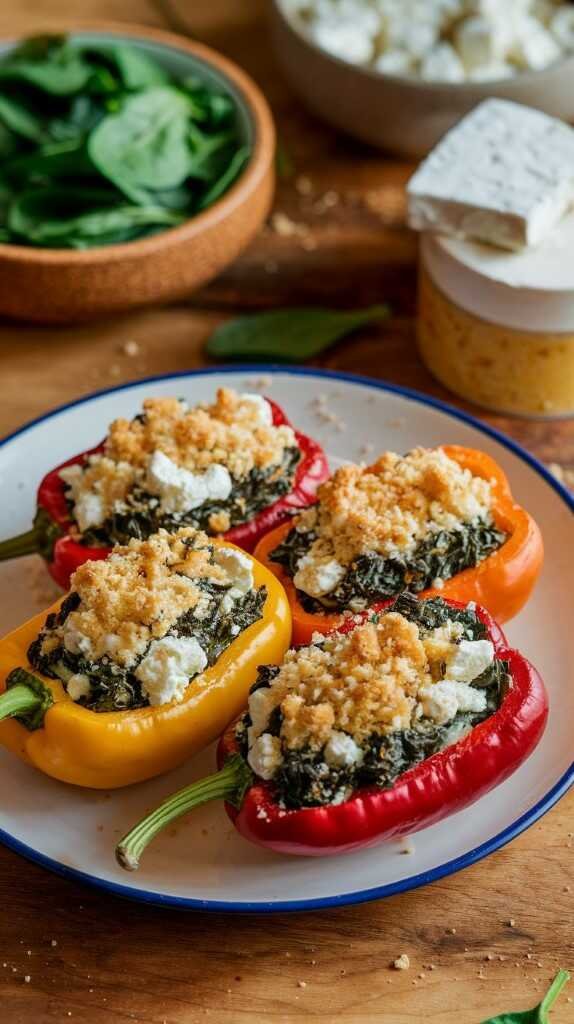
(538, 1015)
(233, 170)
(109, 122)
(51, 66)
(288, 335)
(144, 146)
(34, 217)
(20, 119)
(137, 71)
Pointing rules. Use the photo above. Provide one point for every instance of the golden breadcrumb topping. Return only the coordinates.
(361, 682)
(392, 506)
(231, 433)
(138, 593)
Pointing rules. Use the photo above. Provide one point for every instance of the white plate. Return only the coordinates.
(205, 864)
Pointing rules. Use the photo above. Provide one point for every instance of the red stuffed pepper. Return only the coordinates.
(386, 726)
(235, 469)
(438, 521)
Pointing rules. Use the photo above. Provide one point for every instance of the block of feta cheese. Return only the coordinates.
(503, 175)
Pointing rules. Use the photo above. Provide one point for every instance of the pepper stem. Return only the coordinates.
(19, 700)
(24, 544)
(553, 992)
(26, 698)
(230, 783)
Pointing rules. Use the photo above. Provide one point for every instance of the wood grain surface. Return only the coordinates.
(69, 953)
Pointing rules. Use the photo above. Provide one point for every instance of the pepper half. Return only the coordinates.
(436, 787)
(45, 728)
(502, 582)
(54, 535)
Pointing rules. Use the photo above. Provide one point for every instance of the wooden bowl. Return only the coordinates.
(392, 112)
(63, 285)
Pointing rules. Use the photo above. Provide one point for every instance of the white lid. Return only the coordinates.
(531, 290)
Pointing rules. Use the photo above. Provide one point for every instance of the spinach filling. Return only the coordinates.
(143, 516)
(304, 779)
(114, 688)
(373, 577)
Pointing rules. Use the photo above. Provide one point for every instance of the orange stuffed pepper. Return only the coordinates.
(439, 522)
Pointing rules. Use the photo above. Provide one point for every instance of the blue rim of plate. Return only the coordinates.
(344, 899)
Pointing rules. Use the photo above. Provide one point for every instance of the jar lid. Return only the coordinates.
(531, 290)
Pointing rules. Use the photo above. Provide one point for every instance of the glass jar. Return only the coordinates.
(494, 329)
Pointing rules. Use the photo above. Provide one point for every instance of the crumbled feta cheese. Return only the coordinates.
(394, 62)
(180, 490)
(442, 64)
(238, 566)
(342, 751)
(264, 410)
(562, 27)
(534, 47)
(522, 179)
(481, 41)
(487, 34)
(167, 668)
(78, 686)
(89, 511)
(317, 578)
(442, 701)
(344, 39)
(265, 756)
(471, 658)
(261, 705)
(74, 640)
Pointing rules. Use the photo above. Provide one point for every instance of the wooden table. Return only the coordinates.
(70, 953)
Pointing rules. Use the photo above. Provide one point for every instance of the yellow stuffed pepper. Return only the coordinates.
(145, 661)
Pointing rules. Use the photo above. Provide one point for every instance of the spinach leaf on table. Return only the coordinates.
(288, 335)
(538, 1015)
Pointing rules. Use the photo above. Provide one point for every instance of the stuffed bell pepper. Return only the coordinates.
(372, 732)
(438, 520)
(145, 661)
(234, 469)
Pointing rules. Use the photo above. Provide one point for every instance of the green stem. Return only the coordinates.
(553, 992)
(230, 783)
(24, 544)
(19, 700)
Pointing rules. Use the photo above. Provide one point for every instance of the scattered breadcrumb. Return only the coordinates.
(301, 984)
(511, 922)
(304, 185)
(27, 979)
(131, 348)
(402, 963)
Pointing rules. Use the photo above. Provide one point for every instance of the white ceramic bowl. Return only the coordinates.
(405, 115)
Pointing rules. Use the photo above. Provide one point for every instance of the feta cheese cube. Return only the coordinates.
(442, 701)
(239, 568)
(562, 28)
(503, 175)
(394, 62)
(480, 41)
(265, 756)
(181, 490)
(442, 64)
(344, 39)
(78, 686)
(341, 751)
(534, 47)
(168, 667)
(470, 659)
(318, 578)
(491, 72)
(264, 410)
